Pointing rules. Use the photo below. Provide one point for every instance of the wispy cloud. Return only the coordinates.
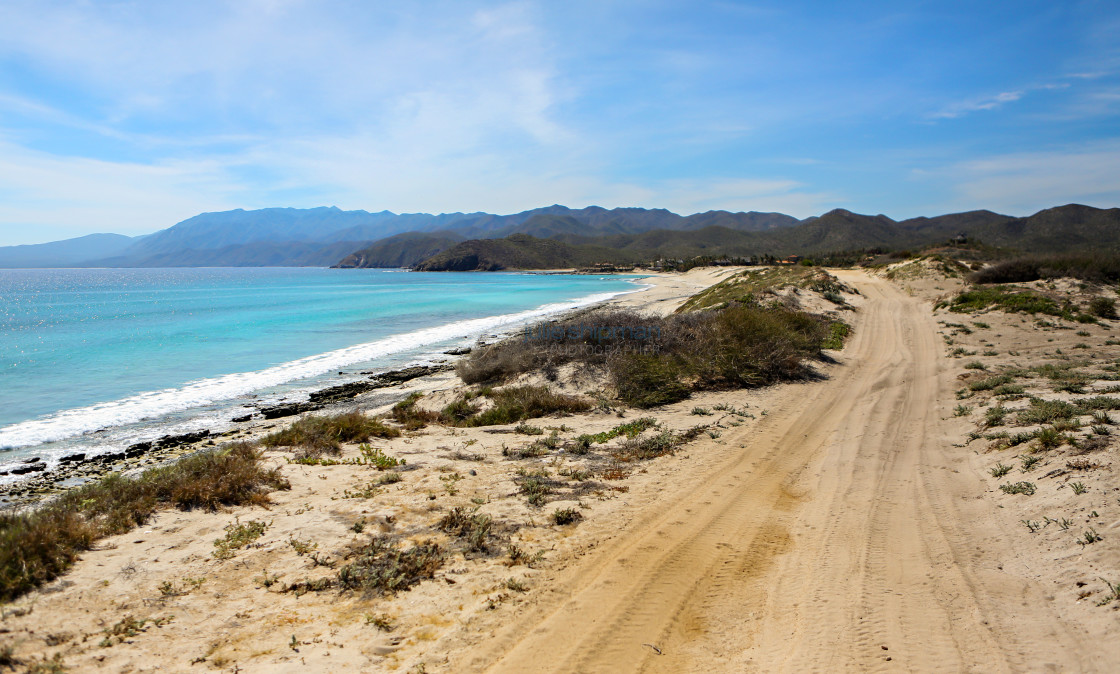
(962, 108)
(130, 116)
(1026, 182)
(43, 196)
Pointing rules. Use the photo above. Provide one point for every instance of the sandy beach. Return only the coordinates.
(844, 523)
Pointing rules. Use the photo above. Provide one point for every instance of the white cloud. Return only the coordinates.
(43, 195)
(989, 103)
(1024, 183)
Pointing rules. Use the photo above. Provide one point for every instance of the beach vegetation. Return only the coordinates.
(536, 486)
(1004, 299)
(999, 470)
(408, 414)
(380, 566)
(990, 383)
(237, 536)
(1025, 488)
(315, 435)
(468, 524)
(652, 360)
(39, 545)
(562, 516)
(1094, 268)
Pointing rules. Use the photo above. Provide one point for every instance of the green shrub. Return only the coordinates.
(469, 525)
(382, 567)
(374, 456)
(410, 416)
(1025, 301)
(1103, 307)
(1025, 488)
(560, 517)
(994, 416)
(630, 429)
(1046, 411)
(838, 332)
(646, 381)
(238, 536)
(322, 434)
(741, 345)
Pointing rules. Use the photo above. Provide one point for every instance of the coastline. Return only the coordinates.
(741, 546)
(375, 391)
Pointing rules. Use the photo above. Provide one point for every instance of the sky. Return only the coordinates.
(128, 117)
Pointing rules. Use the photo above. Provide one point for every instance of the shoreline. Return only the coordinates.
(374, 391)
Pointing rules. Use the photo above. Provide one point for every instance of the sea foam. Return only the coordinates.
(71, 423)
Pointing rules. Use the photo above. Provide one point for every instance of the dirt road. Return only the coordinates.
(843, 533)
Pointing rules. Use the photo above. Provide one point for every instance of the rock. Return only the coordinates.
(341, 392)
(73, 458)
(460, 351)
(169, 441)
(33, 459)
(288, 410)
(31, 468)
(242, 418)
(407, 374)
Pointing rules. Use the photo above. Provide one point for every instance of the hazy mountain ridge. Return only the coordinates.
(64, 253)
(310, 237)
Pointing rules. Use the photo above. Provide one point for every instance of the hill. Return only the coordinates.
(330, 236)
(517, 251)
(65, 253)
(401, 250)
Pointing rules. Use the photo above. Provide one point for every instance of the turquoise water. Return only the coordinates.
(128, 354)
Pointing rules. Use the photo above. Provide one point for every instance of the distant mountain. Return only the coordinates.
(64, 253)
(954, 223)
(257, 254)
(752, 221)
(1069, 228)
(330, 236)
(401, 250)
(219, 231)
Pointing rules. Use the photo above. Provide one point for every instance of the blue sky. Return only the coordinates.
(131, 116)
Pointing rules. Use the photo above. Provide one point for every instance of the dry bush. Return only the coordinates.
(410, 416)
(38, 546)
(382, 567)
(316, 435)
(658, 360)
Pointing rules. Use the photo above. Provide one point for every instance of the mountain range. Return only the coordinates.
(328, 236)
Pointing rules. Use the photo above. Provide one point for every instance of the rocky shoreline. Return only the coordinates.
(76, 469)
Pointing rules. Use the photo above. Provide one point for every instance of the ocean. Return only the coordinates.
(93, 360)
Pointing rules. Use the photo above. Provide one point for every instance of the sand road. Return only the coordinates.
(844, 532)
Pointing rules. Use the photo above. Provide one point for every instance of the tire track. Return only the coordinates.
(830, 540)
